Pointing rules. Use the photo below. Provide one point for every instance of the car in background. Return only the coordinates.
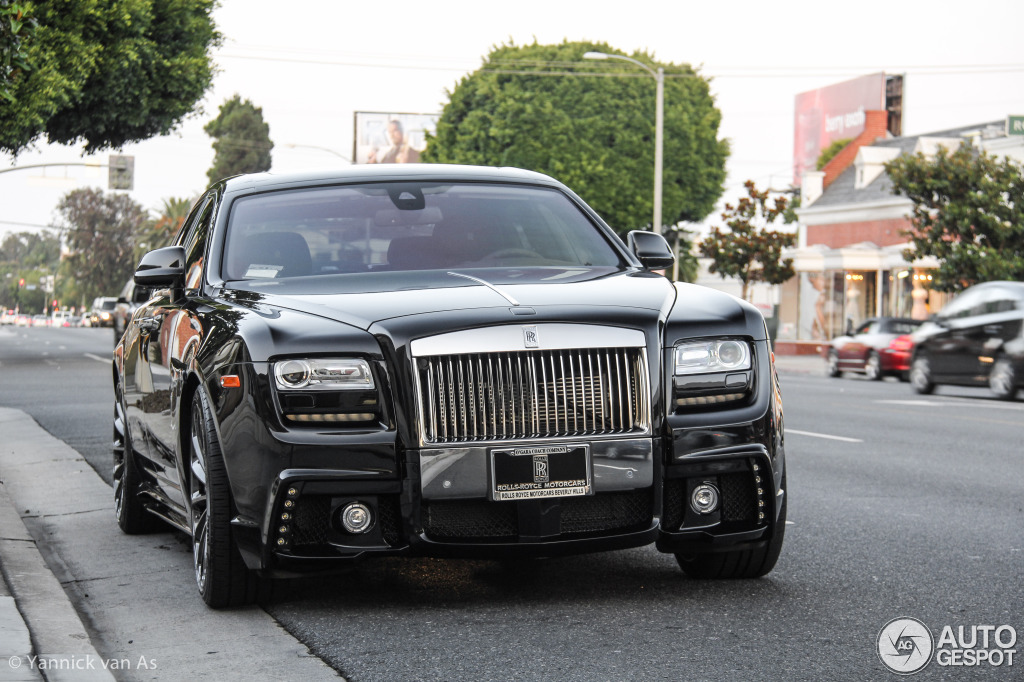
(131, 297)
(102, 314)
(879, 347)
(433, 360)
(40, 321)
(976, 340)
(9, 316)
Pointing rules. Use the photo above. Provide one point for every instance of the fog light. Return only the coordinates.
(704, 499)
(356, 517)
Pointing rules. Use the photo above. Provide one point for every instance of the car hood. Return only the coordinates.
(365, 299)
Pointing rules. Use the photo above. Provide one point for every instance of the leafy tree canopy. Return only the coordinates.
(241, 140)
(101, 234)
(830, 152)
(590, 124)
(749, 250)
(968, 213)
(16, 28)
(108, 72)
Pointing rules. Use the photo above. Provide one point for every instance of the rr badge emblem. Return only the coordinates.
(530, 337)
(540, 469)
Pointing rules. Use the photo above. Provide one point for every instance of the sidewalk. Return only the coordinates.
(800, 364)
(137, 594)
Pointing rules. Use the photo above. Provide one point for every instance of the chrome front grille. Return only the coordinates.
(533, 394)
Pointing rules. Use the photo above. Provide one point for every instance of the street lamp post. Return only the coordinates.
(659, 126)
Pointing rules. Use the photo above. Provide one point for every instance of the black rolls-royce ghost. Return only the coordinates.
(438, 360)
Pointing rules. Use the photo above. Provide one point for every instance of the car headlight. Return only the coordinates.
(714, 355)
(329, 374)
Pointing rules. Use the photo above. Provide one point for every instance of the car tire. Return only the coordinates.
(1002, 380)
(832, 366)
(873, 367)
(221, 575)
(131, 514)
(741, 563)
(921, 375)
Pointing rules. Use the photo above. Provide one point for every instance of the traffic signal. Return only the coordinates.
(21, 283)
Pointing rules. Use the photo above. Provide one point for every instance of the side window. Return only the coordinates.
(194, 238)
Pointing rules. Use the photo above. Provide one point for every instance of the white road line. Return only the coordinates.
(97, 357)
(823, 435)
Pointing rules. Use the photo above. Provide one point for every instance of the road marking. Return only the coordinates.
(986, 403)
(823, 435)
(97, 357)
(917, 403)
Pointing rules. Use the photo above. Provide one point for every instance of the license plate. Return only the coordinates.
(530, 473)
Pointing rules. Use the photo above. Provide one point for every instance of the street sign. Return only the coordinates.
(1015, 125)
(121, 172)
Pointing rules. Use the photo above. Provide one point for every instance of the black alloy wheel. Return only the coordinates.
(921, 375)
(131, 514)
(221, 574)
(740, 563)
(1002, 380)
(873, 367)
(832, 366)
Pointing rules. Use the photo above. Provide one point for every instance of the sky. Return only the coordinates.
(309, 64)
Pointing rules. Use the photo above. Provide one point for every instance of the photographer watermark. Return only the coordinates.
(79, 662)
(906, 645)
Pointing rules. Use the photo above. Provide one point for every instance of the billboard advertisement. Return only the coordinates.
(389, 137)
(832, 113)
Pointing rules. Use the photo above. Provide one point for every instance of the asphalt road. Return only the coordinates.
(900, 506)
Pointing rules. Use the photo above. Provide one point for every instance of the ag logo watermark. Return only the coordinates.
(905, 645)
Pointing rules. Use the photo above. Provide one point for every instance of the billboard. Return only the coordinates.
(389, 137)
(832, 113)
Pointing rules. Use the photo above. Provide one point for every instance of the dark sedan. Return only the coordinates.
(976, 340)
(438, 360)
(879, 347)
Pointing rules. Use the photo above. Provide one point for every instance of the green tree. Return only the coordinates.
(241, 140)
(28, 256)
(968, 213)
(687, 267)
(17, 27)
(108, 72)
(100, 232)
(590, 125)
(749, 250)
(830, 152)
(160, 232)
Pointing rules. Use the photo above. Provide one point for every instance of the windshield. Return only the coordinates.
(409, 226)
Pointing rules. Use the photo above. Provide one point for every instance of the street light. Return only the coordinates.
(659, 125)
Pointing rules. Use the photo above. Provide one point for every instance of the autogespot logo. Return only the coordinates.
(905, 645)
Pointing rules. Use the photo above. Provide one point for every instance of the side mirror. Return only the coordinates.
(652, 249)
(163, 268)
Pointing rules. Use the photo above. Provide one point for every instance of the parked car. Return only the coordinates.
(102, 314)
(9, 316)
(40, 320)
(977, 339)
(879, 347)
(443, 361)
(131, 297)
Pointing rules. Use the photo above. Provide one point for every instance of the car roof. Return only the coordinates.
(389, 172)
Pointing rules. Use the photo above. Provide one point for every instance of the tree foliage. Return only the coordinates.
(749, 250)
(108, 72)
(101, 234)
(241, 140)
(830, 152)
(17, 27)
(590, 125)
(968, 212)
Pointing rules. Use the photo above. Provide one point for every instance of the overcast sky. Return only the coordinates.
(311, 64)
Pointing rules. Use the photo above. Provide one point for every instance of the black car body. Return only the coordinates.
(977, 339)
(877, 348)
(438, 360)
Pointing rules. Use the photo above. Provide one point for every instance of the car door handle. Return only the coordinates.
(149, 324)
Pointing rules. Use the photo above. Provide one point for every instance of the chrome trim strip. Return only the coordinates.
(489, 286)
(509, 338)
